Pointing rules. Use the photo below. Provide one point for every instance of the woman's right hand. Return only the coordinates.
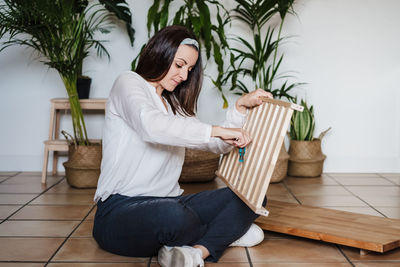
(233, 136)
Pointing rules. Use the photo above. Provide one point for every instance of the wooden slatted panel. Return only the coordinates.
(366, 232)
(267, 125)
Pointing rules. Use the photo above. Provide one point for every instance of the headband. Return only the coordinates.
(190, 41)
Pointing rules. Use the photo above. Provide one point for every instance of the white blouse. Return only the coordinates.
(144, 143)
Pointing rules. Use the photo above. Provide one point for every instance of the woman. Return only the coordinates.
(149, 122)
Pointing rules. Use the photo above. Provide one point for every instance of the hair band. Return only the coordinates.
(190, 41)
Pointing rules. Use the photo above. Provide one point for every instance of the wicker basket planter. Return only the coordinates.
(306, 158)
(83, 166)
(281, 166)
(199, 166)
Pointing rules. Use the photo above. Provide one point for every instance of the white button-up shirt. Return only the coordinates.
(144, 143)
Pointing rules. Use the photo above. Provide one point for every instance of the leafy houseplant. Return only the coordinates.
(199, 166)
(61, 32)
(306, 158)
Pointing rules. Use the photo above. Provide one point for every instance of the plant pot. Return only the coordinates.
(305, 158)
(83, 86)
(83, 166)
(281, 166)
(199, 166)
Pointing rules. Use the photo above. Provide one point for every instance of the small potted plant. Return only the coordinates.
(305, 155)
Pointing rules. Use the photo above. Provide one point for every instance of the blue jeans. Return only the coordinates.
(140, 226)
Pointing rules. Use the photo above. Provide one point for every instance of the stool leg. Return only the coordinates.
(45, 160)
(55, 160)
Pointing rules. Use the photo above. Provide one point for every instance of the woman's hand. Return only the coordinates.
(250, 100)
(233, 136)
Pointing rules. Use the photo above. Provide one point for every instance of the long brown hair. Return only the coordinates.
(155, 61)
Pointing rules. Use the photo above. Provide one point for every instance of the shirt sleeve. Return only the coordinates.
(130, 100)
(234, 119)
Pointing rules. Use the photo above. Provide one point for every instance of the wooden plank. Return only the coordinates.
(366, 232)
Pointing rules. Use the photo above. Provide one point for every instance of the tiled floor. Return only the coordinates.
(51, 224)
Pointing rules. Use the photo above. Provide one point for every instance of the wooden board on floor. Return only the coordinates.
(366, 232)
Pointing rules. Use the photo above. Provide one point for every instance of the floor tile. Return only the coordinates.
(7, 210)
(295, 250)
(16, 198)
(24, 179)
(394, 177)
(285, 198)
(3, 178)
(303, 264)
(361, 210)
(323, 179)
(354, 175)
(63, 199)
(88, 264)
(375, 190)
(275, 235)
(73, 212)
(20, 264)
(8, 173)
(91, 215)
(390, 212)
(344, 180)
(234, 254)
(23, 188)
(277, 189)
(382, 201)
(377, 264)
(316, 190)
(64, 188)
(326, 201)
(84, 230)
(37, 228)
(354, 255)
(87, 250)
(28, 249)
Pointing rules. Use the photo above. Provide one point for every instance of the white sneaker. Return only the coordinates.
(180, 257)
(253, 236)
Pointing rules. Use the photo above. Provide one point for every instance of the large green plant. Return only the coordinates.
(61, 32)
(258, 57)
(195, 15)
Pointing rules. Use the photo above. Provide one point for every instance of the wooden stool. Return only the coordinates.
(53, 143)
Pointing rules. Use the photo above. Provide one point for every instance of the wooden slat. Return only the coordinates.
(267, 125)
(340, 227)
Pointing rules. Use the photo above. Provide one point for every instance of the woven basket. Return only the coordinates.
(306, 158)
(199, 166)
(281, 166)
(83, 166)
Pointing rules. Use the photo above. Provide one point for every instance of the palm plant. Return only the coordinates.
(61, 32)
(195, 15)
(259, 59)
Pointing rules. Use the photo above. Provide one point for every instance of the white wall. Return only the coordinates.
(346, 51)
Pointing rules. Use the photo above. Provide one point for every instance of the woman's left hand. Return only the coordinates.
(252, 99)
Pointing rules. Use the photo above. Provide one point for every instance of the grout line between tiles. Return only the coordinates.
(8, 178)
(372, 207)
(62, 244)
(149, 262)
(23, 206)
(248, 256)
(290, 191)
(344, 255)
(380, 175)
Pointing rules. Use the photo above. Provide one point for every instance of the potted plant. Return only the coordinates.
(305, 155)
(61, 32)
(257, 58)
(199, 166)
